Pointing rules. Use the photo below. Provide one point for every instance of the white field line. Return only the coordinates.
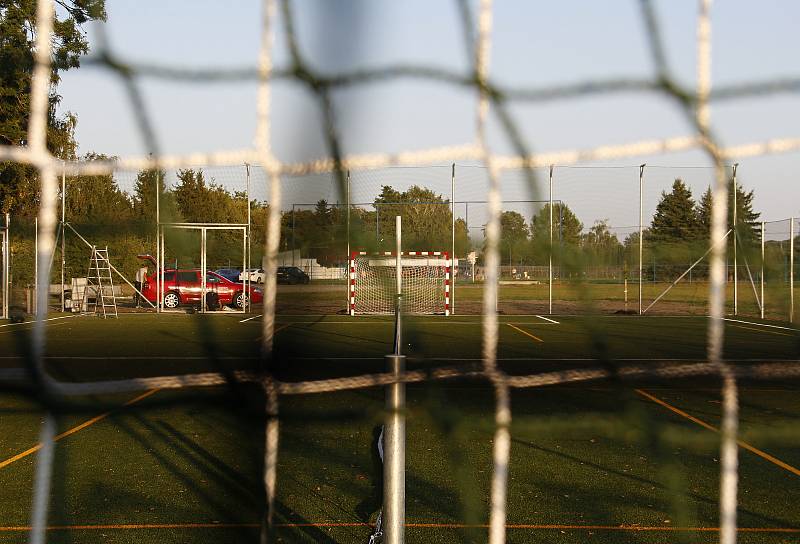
(548, 319)
(34, 321)
(473, 323)
(761, 324)
(250, 318)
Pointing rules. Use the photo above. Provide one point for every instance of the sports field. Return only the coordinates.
(606, 460)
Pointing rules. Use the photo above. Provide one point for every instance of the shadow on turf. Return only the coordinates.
(712, 504)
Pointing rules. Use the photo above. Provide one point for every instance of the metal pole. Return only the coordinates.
(791, 270)
(453, 232)
(641, 231)
(395, 435)
(203, 286)
(246, 261)
(550, 249)
(735, 247)
(63, 232)
(6, 265)
(159, 247)
(763, 302)
(36, 261)
(294, 240)
(347, 274)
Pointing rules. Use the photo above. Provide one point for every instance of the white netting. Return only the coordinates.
(425, 283)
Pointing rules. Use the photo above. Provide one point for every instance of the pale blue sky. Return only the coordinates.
(535, 44)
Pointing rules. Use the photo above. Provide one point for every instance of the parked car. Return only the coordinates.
(184, 287)
(256, 275)
(229, 273)
(292, 275)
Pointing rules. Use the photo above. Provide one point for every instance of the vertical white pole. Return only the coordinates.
(63, 231)
(203, 286)
(763, 302)
(395, 432)
(6, 265)
(246, 261)
(641, 230)
(453, 245)
(159, 248)
(735, 247)
(36, 262)
(550, 248)
(349, 256)
(791, 270)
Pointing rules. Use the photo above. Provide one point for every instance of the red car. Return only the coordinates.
(183, 286)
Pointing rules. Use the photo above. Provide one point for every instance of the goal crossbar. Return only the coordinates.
(426, 282)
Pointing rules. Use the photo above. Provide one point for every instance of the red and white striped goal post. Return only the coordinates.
(447, 272)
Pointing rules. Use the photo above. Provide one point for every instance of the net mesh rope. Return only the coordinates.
(374, 284)
(691, 103)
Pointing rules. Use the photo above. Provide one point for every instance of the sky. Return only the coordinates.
(535, 45)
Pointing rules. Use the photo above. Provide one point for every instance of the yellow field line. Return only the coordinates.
(526, 333)
(762, 330)
(73, 430)
(631, 528)
(742, 444)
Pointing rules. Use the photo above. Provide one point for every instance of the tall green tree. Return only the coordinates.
(18, 184)
(513, 238)
(567, 228)
(746, 217)
(676, 219)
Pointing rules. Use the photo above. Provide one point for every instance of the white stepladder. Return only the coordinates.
(100, 283)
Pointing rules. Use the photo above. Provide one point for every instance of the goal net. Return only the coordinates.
(425, 282)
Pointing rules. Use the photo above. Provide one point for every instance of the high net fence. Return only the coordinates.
(478, 33)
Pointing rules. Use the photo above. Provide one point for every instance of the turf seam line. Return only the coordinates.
(250, 318)
(760, 324)
(763, 331)
(34, 321)
(74, 430)
(548, 319)
(526, 333)
(741, 443)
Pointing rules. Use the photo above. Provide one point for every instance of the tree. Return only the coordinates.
(426, 217)
(600, 245)
(513, 237)
(746, 217)
(676, 219)
(567, 228)
(18, 185)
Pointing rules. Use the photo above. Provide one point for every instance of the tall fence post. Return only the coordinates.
(641, 230)
(791, 270)
(735, 247)
(63, 231)
(763, 302)
(453, 245)
(347, 275)
(550, 250)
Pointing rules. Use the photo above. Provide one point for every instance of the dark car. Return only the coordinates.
(292, 275)
(184, 287)
(231, 274)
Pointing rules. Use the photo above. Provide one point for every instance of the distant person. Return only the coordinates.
(141, 276)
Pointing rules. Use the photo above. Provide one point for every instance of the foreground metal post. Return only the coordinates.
(735, 249)
(394, 461)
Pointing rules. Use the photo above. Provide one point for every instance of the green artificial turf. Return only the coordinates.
(586, 458)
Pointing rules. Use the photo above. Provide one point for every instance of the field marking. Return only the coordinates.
(742, 444)
(250, 318)
(475, 323)
(548, 319)
(74, 430)
(34, 321)
(526, 333)
(760, 324)
(763, 331)
(410, 525)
